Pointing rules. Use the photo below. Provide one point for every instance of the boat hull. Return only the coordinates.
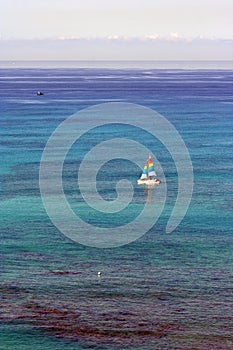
(149, 182)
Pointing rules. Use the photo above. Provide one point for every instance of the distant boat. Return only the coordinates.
(148, 176)
(40, 93)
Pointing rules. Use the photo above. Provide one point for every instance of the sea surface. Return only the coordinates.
(161, 291)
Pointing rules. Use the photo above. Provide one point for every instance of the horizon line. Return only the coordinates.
(116, 60)
(175, 37)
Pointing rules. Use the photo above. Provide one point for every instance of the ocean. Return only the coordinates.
(160, 291)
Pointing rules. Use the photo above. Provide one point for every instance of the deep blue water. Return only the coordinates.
(162, 291)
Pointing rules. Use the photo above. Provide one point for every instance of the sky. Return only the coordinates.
(121, 29)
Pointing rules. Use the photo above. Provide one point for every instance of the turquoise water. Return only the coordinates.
(163, 291)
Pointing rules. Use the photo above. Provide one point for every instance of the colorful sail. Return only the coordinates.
(148, 176)
(145, 172)
(151, 169)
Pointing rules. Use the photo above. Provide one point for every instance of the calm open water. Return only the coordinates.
(163, 291)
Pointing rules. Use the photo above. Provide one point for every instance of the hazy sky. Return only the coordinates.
(112, 20)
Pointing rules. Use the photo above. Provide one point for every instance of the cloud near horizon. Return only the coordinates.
(147, 47)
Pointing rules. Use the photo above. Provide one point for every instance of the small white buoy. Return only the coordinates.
(99, 274)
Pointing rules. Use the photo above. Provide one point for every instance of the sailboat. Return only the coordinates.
(148, 176)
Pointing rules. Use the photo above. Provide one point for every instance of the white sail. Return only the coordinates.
(152, 173)
(143, 176)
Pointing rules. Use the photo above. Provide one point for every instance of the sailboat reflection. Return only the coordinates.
(149, 194)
